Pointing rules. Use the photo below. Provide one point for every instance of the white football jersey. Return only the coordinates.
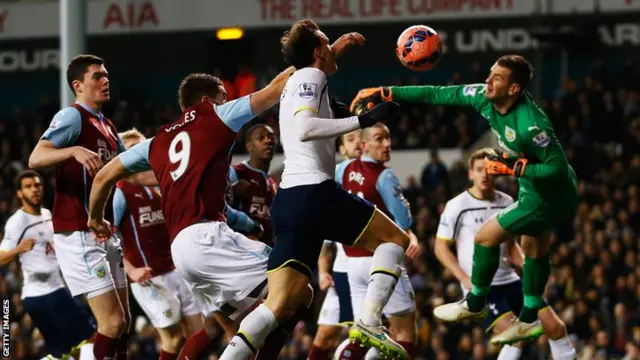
(461, 219)
(313, 161)
(40, 270)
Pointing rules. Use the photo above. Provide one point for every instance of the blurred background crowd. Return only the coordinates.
(594, 106)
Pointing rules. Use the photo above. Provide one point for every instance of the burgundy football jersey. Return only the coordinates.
(257, 201)
(143, 229)
(73, 182)
(190, 159)
(360, 178)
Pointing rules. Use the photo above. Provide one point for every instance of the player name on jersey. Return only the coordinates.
(181, 169)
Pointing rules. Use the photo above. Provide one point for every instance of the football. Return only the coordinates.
(419, 48)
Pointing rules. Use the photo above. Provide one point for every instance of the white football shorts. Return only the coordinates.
(225, 270)
(166, 300)
(87, 267)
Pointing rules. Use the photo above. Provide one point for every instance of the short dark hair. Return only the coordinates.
(521, 69)
(78, 67)
(27, 174)
(299, 42)
(251, 130)
(195, 86)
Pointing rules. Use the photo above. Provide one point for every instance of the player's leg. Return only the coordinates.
(359, 223)
(401, 313)
(43, 316)
(191, 324)
(353, 221)
(87, 271)
(486, 260)
(296, 216)
(535, 273)
(110, 316)
(160, 302)
(328, 333)
(358, 280)
(196, 344)
(556, 331)
(504, 301)
(116, 264)
(75, 324)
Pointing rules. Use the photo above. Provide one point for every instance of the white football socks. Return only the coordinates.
(373, 354)
(253, 331)
(562, 349)
(509, 352)
(86, 352)
(385, 269)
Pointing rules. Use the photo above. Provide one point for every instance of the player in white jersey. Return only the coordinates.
(336, 310)
(461, 219)
(28, 235)
(311, 207)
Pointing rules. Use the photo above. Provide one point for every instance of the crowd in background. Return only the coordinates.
(595, 285)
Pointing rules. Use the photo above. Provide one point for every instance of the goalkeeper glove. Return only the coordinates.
(386, 110)
(500, 163)
(366, 99)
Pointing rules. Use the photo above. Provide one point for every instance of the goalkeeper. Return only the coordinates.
(530, 150)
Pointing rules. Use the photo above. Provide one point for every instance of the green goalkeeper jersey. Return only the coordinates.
(524, 131)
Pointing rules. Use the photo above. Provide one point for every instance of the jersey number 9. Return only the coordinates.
(180, 157)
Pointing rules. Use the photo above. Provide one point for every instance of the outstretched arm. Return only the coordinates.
(124, 165)
(457, 95)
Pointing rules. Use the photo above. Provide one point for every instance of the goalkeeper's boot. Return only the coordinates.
(518, 331)
(378, 337)
(459, 311)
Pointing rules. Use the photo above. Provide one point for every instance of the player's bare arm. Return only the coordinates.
(140, 275)
(102, 185)
(264, 99)
(346, 41)
(8, 256)
(45, 154)
(325, 261)
(448, 259)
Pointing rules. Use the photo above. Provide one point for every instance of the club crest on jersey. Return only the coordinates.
(509, 133)
(542, 139)
(100, 271)
(308, 90)
(168, 313)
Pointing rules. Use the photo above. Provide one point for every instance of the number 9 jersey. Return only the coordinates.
(191, 159)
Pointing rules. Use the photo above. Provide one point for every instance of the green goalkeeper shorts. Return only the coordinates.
(532, 215)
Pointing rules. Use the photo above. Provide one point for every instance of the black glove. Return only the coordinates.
(339, 109)
(383, 111)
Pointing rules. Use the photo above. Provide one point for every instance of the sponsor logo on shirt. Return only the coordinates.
(542, 139)
(308, 90)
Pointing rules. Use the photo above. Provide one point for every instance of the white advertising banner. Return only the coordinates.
(41, 19)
